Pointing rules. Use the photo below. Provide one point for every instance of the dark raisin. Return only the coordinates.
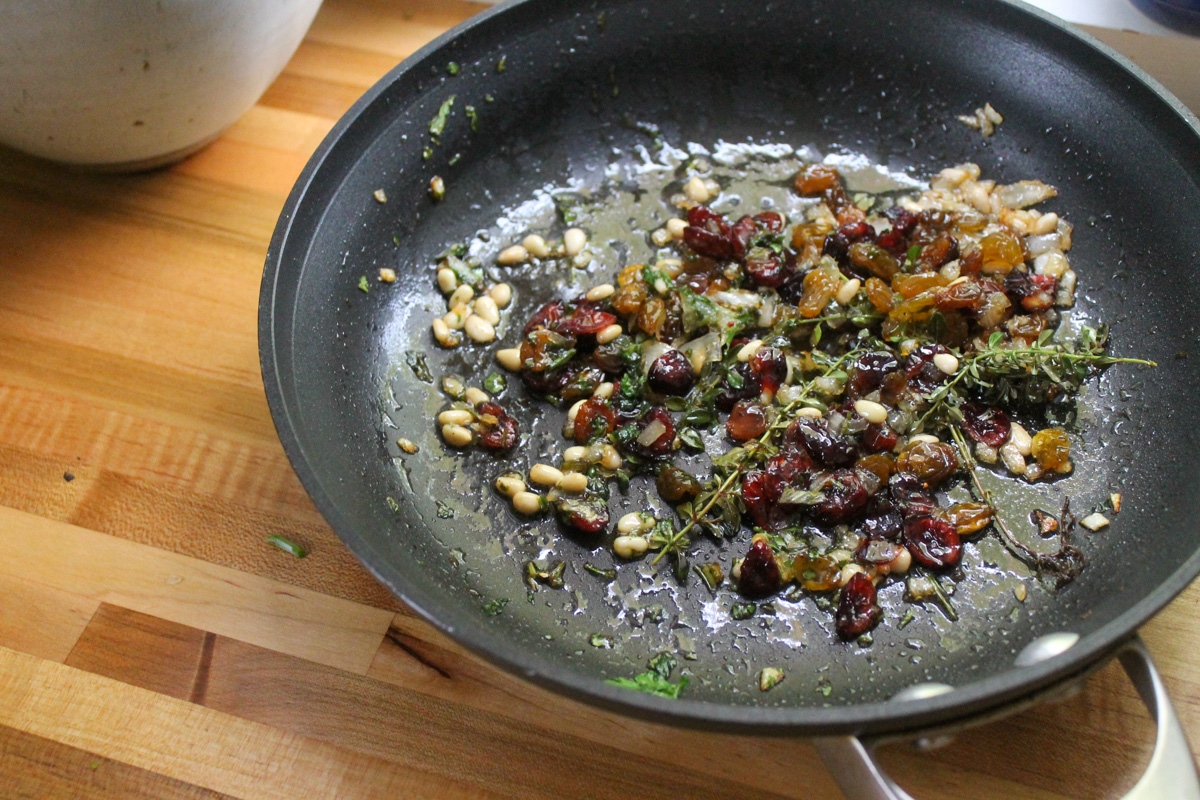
(923, 374)
(869, 371)
(747, 420)
(937, 253)
(661, 446)
(931, 462)
(741, 383)
(986, 424)
(764, 268)
(879, 437)
(932, 541)
(675, 485)
(830, 450)
(758, 496)
(909, 496)
(770, 365)
(500, 434)
(759, 574)
(857, 611)
(887, 525)
(671, 374)
(837, 244)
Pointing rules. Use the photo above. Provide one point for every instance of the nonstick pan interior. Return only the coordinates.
(579, 87)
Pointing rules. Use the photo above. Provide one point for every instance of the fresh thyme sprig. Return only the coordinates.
(1064, 564)
(722, 492)
(1018, 373)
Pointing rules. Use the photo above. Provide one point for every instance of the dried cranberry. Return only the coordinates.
(747, 420)
(583, 514)
(594, 420)
(759, 574)
(708, 234)
(857, 611)
(986, 424)
(545, 383)
(869, 371)
(770, 365)
(826, 448)
(877, 551)
(932, 541)
(545, 317)
(765, 268)
(586, 318)
(909, 496)
(887, 525)
(789, 467)
(758, 495)
(498, 435)
(895, 239)
(671, 374)
(661, 446)
(844, 496)
(879, 437)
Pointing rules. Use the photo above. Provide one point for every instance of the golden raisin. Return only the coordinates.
(817, 178)
(652, 316)
(633, 273)
(930, 462)
(1052, 449)
(816, 572)
(968, 517)
(880, 464)
(820, 286)
(874, 259)
(909, 286)
(1002, 250)
(629, 299)
(916, 309)
(879, 294)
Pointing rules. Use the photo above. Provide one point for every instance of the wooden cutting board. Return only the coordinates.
(152, 644)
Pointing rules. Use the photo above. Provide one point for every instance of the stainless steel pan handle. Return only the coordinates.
(1171, 772)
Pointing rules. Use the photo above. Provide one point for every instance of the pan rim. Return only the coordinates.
(978, 698)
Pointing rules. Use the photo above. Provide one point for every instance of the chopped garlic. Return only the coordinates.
(1094, 522)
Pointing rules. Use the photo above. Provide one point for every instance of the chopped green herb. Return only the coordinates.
(452, 68)
(419, 365)
(454, 159)
(546, 574)
(444, 511)
(742, 611)
(438, 123)
(437, 188)
(495, 384)
(363, 285)
(473, 116)
(393, 505)
(601, 641)
(287, 545)
(487, 98)
(769, 678)
(502, 64)
(656, 679)
(712, 574)
(495, 607)
(427, 153)
(606, 575)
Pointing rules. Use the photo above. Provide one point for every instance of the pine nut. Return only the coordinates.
(630, 546)
(631, 523)
(510, 485)
(671, 267)
(486, 308)
(512, 255)
(456, 416)
(445, 337)
(1012, 458)
(527, 503)
(460, 296)
(456, 435)
(408, 446)
(1046, 223)
(872, 411)
(457, 317)
(608, 334)
(510, 359)
(601, 292)
(814, 413)
(1020, 439)
(986, 453)
(502, 294)
(574, 240)
(845, 295)
(453, 386)
(946, 363)
(848, 572)
(475, 396)
(574, 410)
(749, 349)
(479, 329)
(387, 275)
(545, 474)
(675, 227)
(900, 564)
(576, 454)
(447, 280)
(535, 246)
(660, 237)
(604, 390)
(695, 189)
(573, 482)
(611, 460)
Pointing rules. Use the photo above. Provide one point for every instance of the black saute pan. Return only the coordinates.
(562, 89)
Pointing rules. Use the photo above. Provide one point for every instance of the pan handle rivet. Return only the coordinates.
(1044, 647)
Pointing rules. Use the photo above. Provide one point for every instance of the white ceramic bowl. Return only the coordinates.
(137, 83)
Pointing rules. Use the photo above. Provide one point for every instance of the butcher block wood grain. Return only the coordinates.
(153, 645)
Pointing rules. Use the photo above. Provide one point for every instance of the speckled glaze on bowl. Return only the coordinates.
(133, 84)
